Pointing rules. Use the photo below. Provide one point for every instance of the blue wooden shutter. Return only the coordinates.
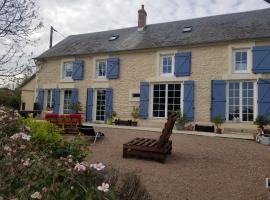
(264, 97)
(108, 102)
(218, 99)
(74, 96)
(78, 70)
(182, 64)
(56, 102)
(89, 104)
(40, 98)
(189, 99)
(113, 68)
(261, 59)
(144, 99)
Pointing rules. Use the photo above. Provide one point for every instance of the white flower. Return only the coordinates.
(104, 187)
(1, 198)
(26, 137)
(70, 160)
(20, 135)
(72, 187)
(25, 162)
(7, 148)
(98, 166)
(15, 136)
(79, 167)
(36, 195)
(22, 146)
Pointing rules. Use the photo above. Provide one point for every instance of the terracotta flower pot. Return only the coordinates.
(218, 130)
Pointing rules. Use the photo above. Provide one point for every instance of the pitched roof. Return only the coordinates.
(220, 28)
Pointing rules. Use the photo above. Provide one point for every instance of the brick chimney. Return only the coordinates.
(141, 18)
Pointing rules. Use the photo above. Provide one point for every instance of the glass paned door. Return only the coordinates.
(67, 101)
(234, 100)
(100, 105)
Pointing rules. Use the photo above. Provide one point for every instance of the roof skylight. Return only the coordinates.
(113, 37)
(187, 29)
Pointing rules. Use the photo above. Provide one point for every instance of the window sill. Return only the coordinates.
(66, 81)
(100, 79)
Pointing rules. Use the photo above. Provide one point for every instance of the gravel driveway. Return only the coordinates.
(200, 168)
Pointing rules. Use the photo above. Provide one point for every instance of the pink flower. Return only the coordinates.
(44, 189)
(79, 167)
(36, 195)
(1, 198)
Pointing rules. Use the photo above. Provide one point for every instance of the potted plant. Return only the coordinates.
(181, 120)
(217, 120)
(110, 117)
(261, 121)
(135, 114)
(76, 107)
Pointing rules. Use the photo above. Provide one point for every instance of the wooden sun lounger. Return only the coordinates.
(147, 148)
(90, 132)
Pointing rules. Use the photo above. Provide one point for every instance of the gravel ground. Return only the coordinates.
(200, 168)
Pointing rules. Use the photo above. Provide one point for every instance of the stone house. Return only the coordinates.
(210, 66)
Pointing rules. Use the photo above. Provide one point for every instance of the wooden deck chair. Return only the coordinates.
(155, 149)
(90, 132)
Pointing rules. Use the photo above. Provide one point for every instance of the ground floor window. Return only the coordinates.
(100, 104)
(166, 99)
(67, 101)
(241, 101)
(49, 100)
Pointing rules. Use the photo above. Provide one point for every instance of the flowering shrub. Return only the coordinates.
(38, 164)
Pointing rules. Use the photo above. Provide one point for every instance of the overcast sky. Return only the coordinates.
(84, 16)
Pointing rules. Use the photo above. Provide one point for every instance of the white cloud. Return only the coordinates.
(83, 16)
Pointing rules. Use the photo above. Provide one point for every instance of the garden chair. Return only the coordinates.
(90, 132)
(147, 148)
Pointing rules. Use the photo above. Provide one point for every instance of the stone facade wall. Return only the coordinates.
(208, 63)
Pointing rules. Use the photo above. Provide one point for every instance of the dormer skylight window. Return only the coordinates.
(113, 37)
(187, 29)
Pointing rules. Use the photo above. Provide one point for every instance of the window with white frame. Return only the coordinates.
(67, 105)
(166, 99)
(67, 70)
(241, 101)
(240, 61)
(50, 99)
(166, 64)
(101, 68)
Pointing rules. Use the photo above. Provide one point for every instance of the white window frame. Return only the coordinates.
(51, 97)
(150, 111)
(248, 69)
(62, 74)
(161, 64)
(94, 112)
(97, 76)
(255, 99)
(63, 104)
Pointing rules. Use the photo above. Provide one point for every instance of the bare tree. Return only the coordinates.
(18, 21)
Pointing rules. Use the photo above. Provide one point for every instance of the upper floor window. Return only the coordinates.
(166, 65)
(101, 68)
(240, 61)
(67, 70)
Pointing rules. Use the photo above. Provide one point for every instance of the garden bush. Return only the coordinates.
(37, 163)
